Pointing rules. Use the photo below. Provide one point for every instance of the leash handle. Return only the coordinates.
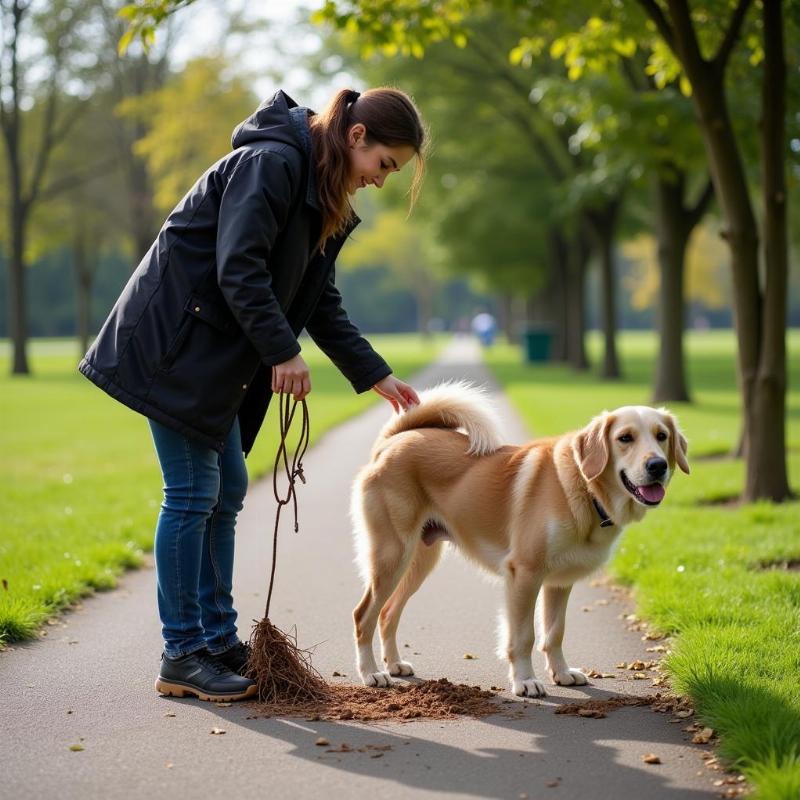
(292, 472)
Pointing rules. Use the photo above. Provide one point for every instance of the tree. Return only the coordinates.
(760, 311)
(176, 148)
(30, 93)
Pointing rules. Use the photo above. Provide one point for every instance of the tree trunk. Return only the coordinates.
(558, 278)
(766, 462)
(506, 309)
(17, 305)
(604, 226)
(575, 315)
(760, 362)
(84, 275)
(673, 235)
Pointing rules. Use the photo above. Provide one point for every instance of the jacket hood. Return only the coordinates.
(280, 119)
(271, 120)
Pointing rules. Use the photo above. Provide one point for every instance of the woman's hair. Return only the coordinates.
(390, 118)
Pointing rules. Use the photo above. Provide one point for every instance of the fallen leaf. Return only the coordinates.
(322, 742)
(76, 748)
(651, 758)
(168, 765)
(377, 755)
(659, 648)
(686, 712)
(217, 731)
(553, 784)
(5, 584)
(703, 736)
(342, 748)
(170, 714)
(470, 657)
(337, 674)
(622, 665)
(224, 705)
(637, 665)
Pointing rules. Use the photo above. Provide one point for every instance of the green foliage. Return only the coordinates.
(398, 27)
(189, 123)
(143, 17)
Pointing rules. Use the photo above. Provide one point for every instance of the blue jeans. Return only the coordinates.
(203, 492)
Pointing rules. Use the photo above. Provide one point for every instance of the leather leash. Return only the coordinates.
(292, 472)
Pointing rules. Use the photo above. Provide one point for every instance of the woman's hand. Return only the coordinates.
(292, 377)
(399, 394)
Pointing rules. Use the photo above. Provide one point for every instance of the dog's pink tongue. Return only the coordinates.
(654, 493)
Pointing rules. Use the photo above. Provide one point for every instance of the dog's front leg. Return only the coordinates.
(554, 612)
(522, 587)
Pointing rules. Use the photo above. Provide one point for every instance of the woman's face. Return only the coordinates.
(370, 164)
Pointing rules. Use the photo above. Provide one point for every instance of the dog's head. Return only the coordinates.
(635, 449)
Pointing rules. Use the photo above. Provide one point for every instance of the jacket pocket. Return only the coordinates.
(221, 319)
(177, 343)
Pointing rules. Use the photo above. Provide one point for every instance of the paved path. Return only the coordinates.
(90, 682)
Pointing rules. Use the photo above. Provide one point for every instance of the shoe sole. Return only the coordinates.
(171, 689)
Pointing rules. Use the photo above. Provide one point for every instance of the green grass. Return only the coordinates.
(696, 569)
(81, 482)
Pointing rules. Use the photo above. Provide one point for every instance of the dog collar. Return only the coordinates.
(605, 520)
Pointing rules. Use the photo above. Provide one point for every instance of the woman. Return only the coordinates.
(207, 328)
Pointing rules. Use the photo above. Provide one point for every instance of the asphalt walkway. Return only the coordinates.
(90, 681)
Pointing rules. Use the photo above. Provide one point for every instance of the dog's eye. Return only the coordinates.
(626, 438)
(661, 436)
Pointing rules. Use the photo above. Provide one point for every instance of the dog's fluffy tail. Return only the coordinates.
(454, 405)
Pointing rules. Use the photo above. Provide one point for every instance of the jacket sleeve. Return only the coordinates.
(340, 340)
(253, 210)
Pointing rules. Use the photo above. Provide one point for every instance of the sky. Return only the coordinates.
(279, 28)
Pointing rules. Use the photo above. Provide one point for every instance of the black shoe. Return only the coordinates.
(202, 675)
(236, 658)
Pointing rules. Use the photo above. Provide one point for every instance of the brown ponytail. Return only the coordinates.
(390, 117)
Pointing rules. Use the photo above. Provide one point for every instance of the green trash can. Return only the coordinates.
(538, 343)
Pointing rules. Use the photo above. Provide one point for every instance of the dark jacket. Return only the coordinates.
(226, 288)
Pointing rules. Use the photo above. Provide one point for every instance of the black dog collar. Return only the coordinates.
(605, 520)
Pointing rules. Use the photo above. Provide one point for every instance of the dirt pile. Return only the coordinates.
(438, 699)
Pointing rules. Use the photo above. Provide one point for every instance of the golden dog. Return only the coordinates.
(542, 515)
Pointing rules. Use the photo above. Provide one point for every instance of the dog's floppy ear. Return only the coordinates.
(678, 446)
(591, 446)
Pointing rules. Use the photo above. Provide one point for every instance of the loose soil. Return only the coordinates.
(438, 699)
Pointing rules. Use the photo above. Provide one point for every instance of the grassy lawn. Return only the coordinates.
(698, 568)
(81, 482)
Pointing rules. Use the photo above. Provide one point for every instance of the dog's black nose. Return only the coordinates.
(656, 467)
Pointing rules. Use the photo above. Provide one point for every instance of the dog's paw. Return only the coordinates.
(569, 677)
(528, 688)
(401, 668)
(379, 679)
